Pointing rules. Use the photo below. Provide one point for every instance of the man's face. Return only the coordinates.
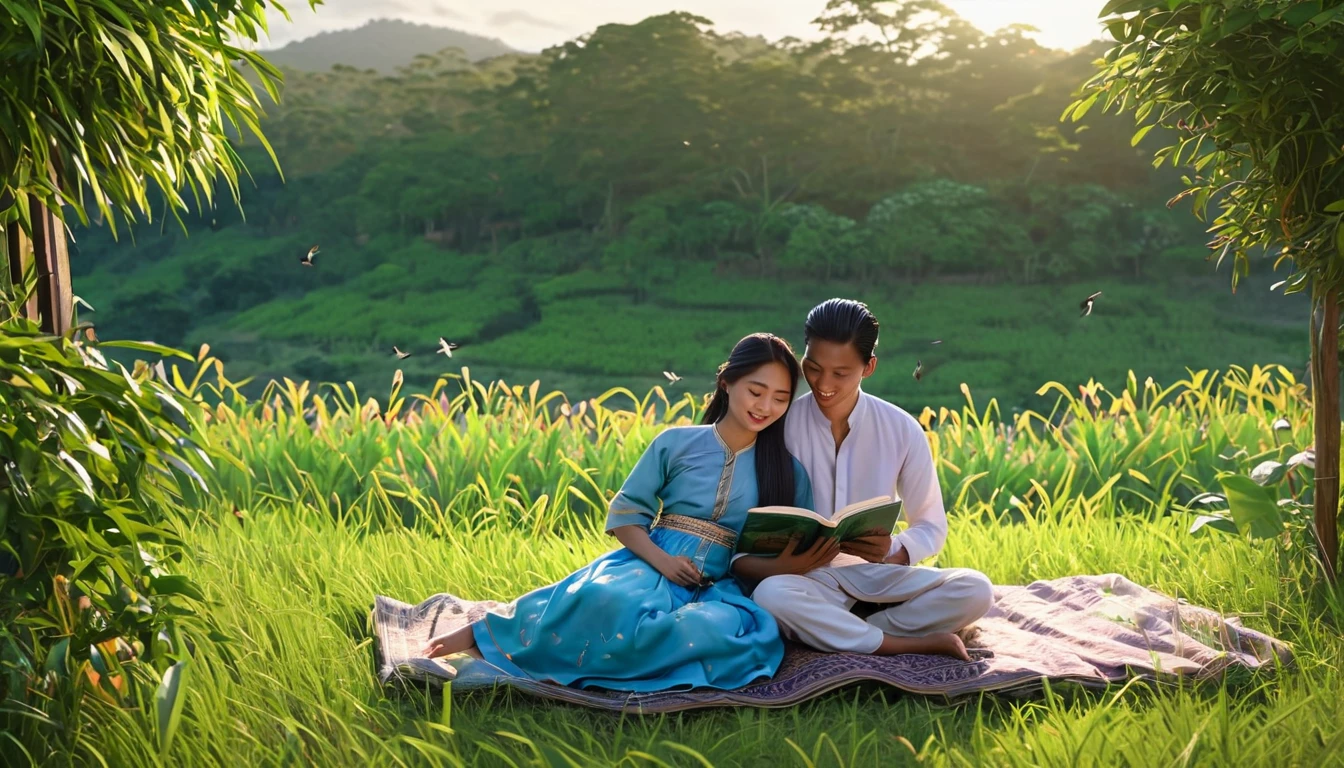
(834, 372)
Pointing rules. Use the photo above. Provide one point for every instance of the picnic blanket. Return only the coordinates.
(1090, 630)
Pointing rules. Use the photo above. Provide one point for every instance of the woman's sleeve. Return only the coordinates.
(802, 487)
(637, 503)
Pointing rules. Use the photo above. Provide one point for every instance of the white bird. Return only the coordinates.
(307, 260)
(401, 355)
(446, 347)
(672, 378)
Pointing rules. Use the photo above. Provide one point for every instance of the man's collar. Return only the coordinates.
(855, 415)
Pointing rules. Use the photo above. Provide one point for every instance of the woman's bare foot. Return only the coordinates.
(458, 641)
(941, 644)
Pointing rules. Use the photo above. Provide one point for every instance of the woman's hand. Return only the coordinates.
(679, 570)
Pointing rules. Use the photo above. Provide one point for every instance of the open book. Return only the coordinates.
(768, 529)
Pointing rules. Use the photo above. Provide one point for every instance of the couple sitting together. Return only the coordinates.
(670, 609)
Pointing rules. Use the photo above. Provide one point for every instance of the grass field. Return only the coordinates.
(478, 501)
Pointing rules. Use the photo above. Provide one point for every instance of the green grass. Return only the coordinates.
(495, 508)
(294, 590)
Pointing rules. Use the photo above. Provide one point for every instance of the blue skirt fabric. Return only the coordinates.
(618, 624)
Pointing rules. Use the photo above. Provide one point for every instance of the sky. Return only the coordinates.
(531, 25)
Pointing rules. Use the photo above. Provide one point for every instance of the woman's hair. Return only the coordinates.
(843, 321)
(774, 464)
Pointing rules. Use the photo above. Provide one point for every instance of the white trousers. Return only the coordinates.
(814, 608)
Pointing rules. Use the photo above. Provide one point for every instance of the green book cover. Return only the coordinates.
(768, 529)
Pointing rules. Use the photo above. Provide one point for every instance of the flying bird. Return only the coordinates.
(401, 355)
(936, 341)
(1086, 304)
(671, 377)
(446, 347)
(307, 260)
(919, 370)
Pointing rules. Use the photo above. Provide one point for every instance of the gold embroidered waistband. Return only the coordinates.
(695, 526)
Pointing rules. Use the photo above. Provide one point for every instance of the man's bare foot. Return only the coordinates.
(947, 644)
(941, 644)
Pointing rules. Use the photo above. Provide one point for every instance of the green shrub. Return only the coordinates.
(91, 460)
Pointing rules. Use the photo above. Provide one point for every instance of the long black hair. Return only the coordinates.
(843, 321)
(774, 464)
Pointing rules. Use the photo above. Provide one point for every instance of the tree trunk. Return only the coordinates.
(1325, 397)
(50, 303)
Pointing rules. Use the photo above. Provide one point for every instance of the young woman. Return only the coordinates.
(659, 613)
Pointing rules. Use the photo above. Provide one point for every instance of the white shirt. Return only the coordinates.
(884, 454)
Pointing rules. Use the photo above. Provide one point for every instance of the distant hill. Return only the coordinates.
(381, 44)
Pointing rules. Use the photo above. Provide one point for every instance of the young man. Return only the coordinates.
(867, 595)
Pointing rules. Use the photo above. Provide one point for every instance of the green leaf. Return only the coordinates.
(1301, 13)
(1339, 240)
(1253, 508)
(25, 12)
(1084, 106)
(1139, 134)
(148, 346)
(1126, 6)
(1216, 522)
(1335, 207)
(56, 659)
(168, 702)
(176, 584)
(1235, 22)
(1326, 16)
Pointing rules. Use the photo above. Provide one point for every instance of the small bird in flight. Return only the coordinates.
(401, 355)
(919, 370)
(307, 260)
(936, 341)
(1086, 304)
(446, 347)
(671, 377)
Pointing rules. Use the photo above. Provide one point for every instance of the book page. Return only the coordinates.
(781, 510)
(861, 505)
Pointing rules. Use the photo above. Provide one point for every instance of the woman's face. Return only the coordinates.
(834, 372)
(761, 397)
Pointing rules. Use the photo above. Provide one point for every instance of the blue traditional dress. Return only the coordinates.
(618, 623)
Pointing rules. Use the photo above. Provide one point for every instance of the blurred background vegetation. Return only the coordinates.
(637, 199)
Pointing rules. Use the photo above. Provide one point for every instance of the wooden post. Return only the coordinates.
(46, 246)
(1325, 397)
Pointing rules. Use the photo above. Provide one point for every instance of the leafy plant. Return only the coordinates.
(1254, 505)
(1251, 89)
(93, 461)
